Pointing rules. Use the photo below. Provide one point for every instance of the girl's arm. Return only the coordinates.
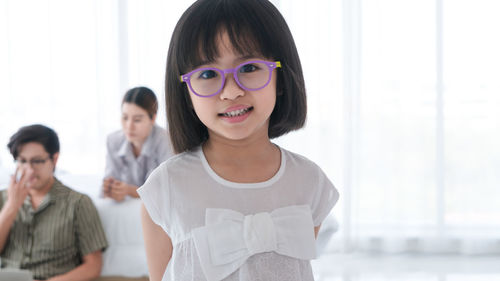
(158, 246)
(316, 230)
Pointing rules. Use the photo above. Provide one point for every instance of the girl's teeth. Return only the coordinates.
(236, 112)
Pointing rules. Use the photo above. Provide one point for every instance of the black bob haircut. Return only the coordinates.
(143, 97)
(254, 27)
(34, 133)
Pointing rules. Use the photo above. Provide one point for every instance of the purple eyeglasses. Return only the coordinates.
(251, 76)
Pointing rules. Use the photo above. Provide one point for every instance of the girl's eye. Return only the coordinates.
(247, 68)
(208, 74)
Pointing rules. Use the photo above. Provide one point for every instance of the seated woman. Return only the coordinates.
(137, 149)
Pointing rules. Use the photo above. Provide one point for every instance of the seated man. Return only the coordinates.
(45, 227)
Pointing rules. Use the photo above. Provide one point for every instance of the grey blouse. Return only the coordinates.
(121, 163)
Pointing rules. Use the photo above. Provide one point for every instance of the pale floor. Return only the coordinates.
(365, 267)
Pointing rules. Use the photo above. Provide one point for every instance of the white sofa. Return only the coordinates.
(125, 255)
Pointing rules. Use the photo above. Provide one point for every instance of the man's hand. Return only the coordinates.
(18, 187)
(17, 192)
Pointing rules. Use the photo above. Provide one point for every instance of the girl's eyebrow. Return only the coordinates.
(239, 59)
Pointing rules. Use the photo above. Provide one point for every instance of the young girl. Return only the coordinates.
(137, 149)
(231, 205)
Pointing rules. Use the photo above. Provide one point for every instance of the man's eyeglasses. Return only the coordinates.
(35, 163)
(251, 76)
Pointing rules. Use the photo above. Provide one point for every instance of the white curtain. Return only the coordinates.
(402, 96)
(403, 116)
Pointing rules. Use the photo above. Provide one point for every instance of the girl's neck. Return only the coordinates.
(247, 161)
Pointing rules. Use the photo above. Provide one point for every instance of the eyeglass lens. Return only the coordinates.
(250, 76)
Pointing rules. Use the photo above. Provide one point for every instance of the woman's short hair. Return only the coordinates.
(34, 133)
(254, 28)
(143, 97)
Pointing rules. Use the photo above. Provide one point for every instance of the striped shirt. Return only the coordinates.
(121, 163)
(52, 239)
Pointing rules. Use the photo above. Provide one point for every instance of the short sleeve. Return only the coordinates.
(89, 231)
(155, 196)
(325, 198)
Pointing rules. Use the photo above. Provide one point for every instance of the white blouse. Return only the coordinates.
(222, 230)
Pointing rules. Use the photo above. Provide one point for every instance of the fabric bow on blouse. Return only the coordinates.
(229, 238)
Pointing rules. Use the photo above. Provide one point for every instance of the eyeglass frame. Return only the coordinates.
(33, 162)
(186, 78)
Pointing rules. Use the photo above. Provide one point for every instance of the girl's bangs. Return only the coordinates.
(247, 36)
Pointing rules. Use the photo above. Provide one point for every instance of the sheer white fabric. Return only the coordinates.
(180, 190)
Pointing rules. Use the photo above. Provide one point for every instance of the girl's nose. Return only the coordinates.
(231, 89)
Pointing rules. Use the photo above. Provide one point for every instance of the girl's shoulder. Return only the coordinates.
(294, 159)
(178, 166)
(183, 160)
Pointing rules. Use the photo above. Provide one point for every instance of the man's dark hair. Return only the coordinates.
(34, 133)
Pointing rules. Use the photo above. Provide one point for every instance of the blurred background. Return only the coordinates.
(403, 116)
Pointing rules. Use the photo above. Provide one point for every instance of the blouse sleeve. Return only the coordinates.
(112, 165)
(325, 198)
(164, 148)
(155, 195)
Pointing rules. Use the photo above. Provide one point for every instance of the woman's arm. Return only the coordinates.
(158, 246)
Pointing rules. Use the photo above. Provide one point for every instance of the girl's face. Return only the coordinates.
(235, 114)
(136, 123)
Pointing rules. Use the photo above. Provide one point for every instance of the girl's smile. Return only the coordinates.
(235, 114)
